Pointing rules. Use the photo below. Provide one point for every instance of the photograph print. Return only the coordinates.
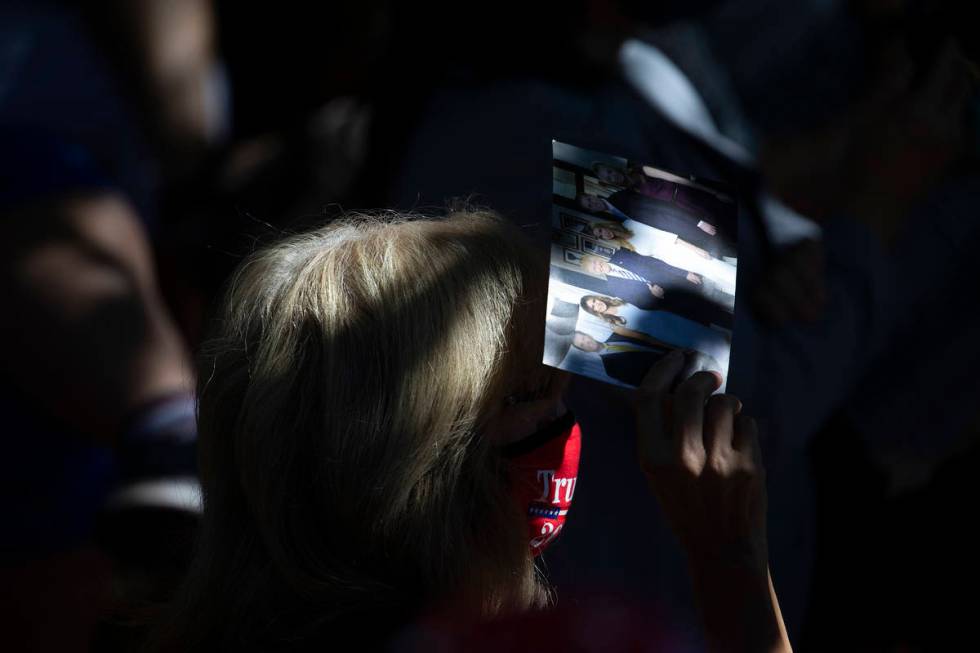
(652, 270)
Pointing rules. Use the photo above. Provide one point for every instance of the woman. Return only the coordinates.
(614, 233)
(664, 327)
(374, 419)
(608, 310)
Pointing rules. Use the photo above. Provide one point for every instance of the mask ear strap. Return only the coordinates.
(557, 428)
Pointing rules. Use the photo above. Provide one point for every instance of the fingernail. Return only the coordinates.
(738, 406)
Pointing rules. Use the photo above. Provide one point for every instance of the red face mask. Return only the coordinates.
(544, 471)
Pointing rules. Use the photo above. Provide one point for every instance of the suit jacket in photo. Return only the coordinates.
(630, 366)
(699, 202)
(689, 304)
(652, 269)
(671, 218)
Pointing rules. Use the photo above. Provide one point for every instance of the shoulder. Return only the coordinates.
(622, 254)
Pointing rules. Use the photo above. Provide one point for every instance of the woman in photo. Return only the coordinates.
(662, 326)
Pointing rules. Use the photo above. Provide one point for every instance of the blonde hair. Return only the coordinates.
(623, 234)
(341, 403)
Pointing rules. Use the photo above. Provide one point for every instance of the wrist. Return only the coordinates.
(745, 562)
(739, 607)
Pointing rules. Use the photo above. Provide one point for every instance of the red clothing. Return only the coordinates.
(600, 622)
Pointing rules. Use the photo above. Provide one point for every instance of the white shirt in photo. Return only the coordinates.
(663, 245)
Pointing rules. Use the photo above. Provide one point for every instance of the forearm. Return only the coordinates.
(739, 607)
(694, 248)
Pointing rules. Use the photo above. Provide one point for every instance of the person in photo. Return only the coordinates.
(628, 204)
(664, 326)
(696, 198)
(642, 289)
(648, 241)
(627, 359)
(631, 265)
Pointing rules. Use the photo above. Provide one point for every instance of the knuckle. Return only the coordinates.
(685, 413)
(691, 460)
(720, 466)
(691, 394)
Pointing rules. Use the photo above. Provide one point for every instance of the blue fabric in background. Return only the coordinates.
(64, 128)
(36, 164)
(56, 89)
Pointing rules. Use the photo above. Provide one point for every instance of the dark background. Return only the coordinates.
(321, 108)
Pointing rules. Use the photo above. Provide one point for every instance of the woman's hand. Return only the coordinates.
(698, 361)
(702, 459)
